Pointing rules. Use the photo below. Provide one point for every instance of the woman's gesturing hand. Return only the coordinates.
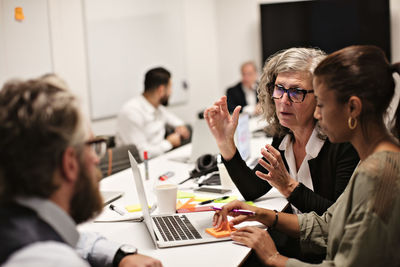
(278, 176)
(222, 125)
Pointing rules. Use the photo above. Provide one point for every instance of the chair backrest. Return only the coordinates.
(116, 159)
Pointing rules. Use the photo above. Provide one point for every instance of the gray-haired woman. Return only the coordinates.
(301, 163)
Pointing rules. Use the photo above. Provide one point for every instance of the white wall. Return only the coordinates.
(219, 34)
(239, 38)
(68, 42)
(24, 46)
(201, 58)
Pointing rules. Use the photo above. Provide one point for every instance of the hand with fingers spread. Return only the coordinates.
(259, 240)
(223, 126)
(278, 176)
(221, 215)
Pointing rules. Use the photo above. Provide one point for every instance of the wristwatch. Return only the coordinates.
(123, 251)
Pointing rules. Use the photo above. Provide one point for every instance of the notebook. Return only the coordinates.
(175, 229)
(110, 196)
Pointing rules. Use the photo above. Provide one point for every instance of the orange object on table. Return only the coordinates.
(223, 231)
(187, 205)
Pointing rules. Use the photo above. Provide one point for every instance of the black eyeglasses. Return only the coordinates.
(99, 145)
(296, 95)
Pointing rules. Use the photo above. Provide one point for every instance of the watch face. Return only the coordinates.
(128, 249)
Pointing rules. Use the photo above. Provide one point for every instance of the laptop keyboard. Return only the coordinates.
(176, 227)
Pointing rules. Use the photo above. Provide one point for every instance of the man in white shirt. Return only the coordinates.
(142, 121)
(49, 182)
(244, 93)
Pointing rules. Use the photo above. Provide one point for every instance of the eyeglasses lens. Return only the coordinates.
(294, 94)
(99, 148)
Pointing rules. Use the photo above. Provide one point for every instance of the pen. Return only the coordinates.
(146, 165)
(116, 209)
(244, 212)
(212, 200)
(165, 176)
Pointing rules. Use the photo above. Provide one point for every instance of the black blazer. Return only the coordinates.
(330, 172)
(235, 97)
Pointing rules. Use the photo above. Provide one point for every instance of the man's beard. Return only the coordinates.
(164, 100)
(87, 201)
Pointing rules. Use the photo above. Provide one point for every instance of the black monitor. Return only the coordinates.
(327, 24)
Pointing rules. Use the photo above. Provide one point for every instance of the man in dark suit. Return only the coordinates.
(245, 92)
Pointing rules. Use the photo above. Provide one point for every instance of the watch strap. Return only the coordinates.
(120, 255)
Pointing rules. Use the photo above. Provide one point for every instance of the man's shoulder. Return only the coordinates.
(133, 104)
(48, 253)
(236, 87)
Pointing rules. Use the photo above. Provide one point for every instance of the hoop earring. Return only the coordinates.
(352, 125)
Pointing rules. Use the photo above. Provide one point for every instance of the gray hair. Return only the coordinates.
(293, 60)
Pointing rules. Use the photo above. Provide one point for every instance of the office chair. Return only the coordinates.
(116, 159)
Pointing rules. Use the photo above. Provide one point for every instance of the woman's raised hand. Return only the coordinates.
(223, 126)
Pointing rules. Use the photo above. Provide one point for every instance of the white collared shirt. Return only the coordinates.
(143, 125)
(89, 246)
(313, 148)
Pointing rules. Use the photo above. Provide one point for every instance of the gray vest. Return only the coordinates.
(21, 226)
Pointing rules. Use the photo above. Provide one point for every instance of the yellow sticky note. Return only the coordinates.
(251, 203)
(183, 194)
(133, 208)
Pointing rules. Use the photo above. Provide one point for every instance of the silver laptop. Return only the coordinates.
(243, 136)
(175, 229)
(203, 141)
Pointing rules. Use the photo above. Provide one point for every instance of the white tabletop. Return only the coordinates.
(224, 253)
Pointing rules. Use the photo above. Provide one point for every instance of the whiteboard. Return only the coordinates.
(126, 38)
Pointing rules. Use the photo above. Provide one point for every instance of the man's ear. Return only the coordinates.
(161, 89)
(70, 165)
(354, 106)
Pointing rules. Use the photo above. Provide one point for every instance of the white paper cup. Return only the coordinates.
(226, 181)
(166, 198)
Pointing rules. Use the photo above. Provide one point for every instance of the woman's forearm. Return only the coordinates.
(284, 222)
(227, 148)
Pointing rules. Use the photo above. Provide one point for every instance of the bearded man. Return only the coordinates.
(144, 120)
(49, 182)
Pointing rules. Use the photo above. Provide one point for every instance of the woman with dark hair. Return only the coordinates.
(353, 87)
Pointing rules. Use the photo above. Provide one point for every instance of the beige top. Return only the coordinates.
(363, 227)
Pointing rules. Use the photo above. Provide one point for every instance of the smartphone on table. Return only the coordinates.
(212, 190)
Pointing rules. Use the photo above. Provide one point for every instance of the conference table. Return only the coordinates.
(126, 229)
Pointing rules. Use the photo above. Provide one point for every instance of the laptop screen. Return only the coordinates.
(142, 195)
(203, 141)
(243, 136)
